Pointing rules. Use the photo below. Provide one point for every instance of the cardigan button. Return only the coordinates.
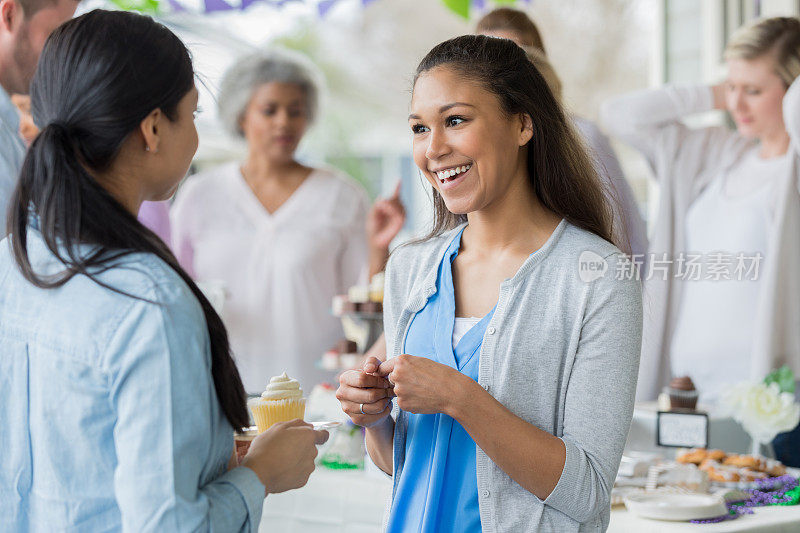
(491, 331)
(486, 494)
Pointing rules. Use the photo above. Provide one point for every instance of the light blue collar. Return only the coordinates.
(426, 288)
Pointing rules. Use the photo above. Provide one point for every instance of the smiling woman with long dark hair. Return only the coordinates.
(507, 325)
(119, 395)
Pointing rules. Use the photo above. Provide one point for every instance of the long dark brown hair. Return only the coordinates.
(559, 168)
(98, 77)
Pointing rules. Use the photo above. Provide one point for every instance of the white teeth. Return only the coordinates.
(444, 174)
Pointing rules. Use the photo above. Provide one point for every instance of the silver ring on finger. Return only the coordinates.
(361, 408)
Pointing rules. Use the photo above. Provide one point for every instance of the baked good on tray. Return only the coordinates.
(723, 467)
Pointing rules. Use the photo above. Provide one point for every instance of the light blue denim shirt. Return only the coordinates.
(12, 152)
(109, 416)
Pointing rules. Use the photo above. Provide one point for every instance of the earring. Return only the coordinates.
(146, 148)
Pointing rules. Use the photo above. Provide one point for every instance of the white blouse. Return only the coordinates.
(726, 227)
(461, 326)
(280, 270)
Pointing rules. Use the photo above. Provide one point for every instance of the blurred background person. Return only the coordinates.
(24, 27)
(27, 128)
(728, 192)
(155, 216)
(628, 223)
(281, 237)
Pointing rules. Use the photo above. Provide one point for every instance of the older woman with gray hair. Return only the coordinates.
(283, 238)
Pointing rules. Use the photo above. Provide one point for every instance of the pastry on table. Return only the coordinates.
(774, 468)
(694, 456)
(682, 393)
(745, 461)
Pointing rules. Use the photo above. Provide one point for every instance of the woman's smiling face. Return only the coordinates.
(465, 144)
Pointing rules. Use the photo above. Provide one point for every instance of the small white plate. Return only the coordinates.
(676, 507)
(330, 424)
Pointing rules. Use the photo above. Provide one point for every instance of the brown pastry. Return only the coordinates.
(723, 474)
(372, 307)
(748, 474)
(695, 456)
(774, 468)
(717, 455)
(745, 461)
(682, 394)
(345, 346)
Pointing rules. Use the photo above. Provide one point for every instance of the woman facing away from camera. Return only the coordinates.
(119, 395)
(506, 326)
(285, 238)
(723, 306)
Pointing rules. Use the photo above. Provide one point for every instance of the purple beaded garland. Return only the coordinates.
(769, 491)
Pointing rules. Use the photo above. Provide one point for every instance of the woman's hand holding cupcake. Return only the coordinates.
(365, 397)
(283, 456)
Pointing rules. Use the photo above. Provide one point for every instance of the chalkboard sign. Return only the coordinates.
(678, 429)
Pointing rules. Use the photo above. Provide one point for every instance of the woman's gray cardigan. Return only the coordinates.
(561, 352)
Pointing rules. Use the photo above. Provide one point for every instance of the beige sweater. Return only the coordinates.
(684, 162)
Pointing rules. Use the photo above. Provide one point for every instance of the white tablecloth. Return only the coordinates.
(773, 519)
(347, 501)
(333, 501)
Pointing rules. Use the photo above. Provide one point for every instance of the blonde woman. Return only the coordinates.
(727, 192)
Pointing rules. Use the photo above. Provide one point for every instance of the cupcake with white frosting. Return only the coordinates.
(281, 401)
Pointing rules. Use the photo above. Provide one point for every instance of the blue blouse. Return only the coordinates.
(438, 490)
(110, 418)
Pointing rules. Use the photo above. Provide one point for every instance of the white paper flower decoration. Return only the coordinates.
(763, 410)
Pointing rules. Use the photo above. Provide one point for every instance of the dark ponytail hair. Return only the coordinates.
(98, 77)
(559, 168)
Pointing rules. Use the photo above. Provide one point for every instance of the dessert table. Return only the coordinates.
(354, 501)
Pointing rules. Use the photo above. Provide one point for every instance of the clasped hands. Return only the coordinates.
(420, 385)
